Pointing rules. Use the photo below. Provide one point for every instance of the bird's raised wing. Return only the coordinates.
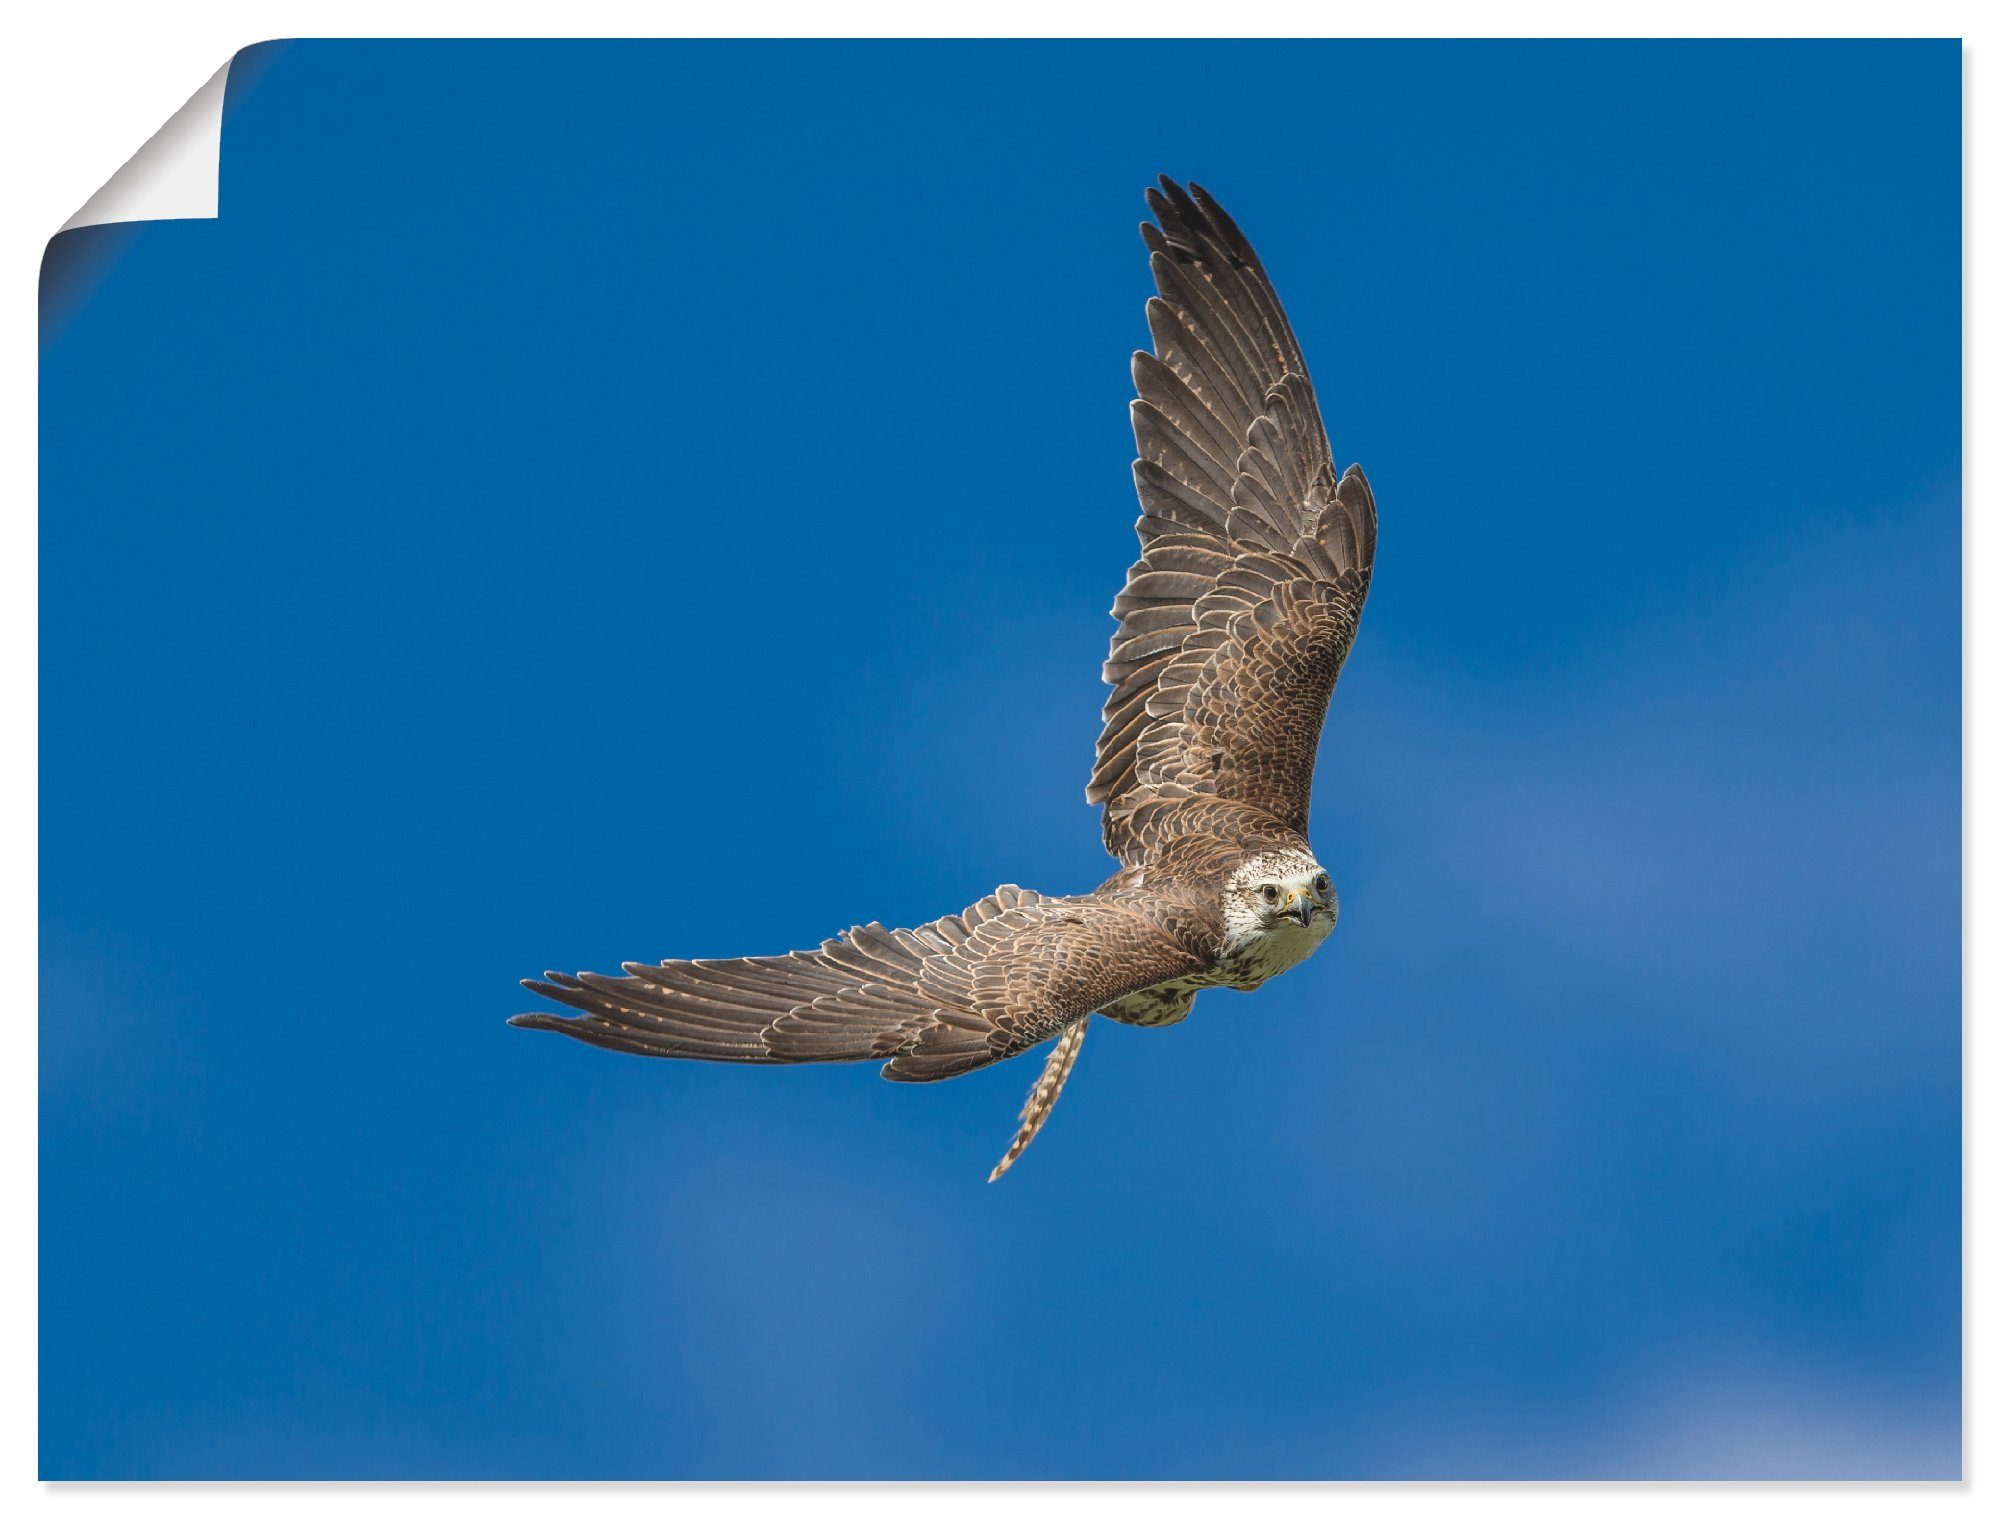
(1013, 969)
(1255, 557)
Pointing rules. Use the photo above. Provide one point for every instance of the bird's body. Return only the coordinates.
(1233, 626)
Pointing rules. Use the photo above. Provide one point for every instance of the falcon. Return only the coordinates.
(1254, 562)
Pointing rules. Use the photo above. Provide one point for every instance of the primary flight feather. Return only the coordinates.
(1254, 563)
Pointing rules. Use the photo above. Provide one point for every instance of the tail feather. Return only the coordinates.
(1042, 1096)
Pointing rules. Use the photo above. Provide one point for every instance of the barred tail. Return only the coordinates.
(1042, 1096)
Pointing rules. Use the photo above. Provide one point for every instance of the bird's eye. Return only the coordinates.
(1320, 883)
(1268, 892)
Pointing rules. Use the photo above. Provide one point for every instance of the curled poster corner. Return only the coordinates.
(176, 175)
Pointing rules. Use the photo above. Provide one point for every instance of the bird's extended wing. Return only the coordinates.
(1255, 557)
(1012, 970)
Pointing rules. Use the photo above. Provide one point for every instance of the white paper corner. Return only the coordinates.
(176, 175)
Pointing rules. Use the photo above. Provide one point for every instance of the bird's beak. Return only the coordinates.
(1301, 908)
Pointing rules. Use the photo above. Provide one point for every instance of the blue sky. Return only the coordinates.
(572, 481)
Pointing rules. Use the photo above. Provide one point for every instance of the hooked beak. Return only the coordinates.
(1300, 908)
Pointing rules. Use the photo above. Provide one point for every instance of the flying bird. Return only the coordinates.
(1255, 558)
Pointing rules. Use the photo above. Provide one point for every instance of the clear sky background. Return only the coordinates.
(597, 502)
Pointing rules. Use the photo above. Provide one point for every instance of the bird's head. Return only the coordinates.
(1285, 892)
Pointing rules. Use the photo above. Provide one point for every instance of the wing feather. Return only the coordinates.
(1012, 970)
(1255, 556)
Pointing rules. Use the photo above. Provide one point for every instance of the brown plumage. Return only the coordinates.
(1254, 563)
